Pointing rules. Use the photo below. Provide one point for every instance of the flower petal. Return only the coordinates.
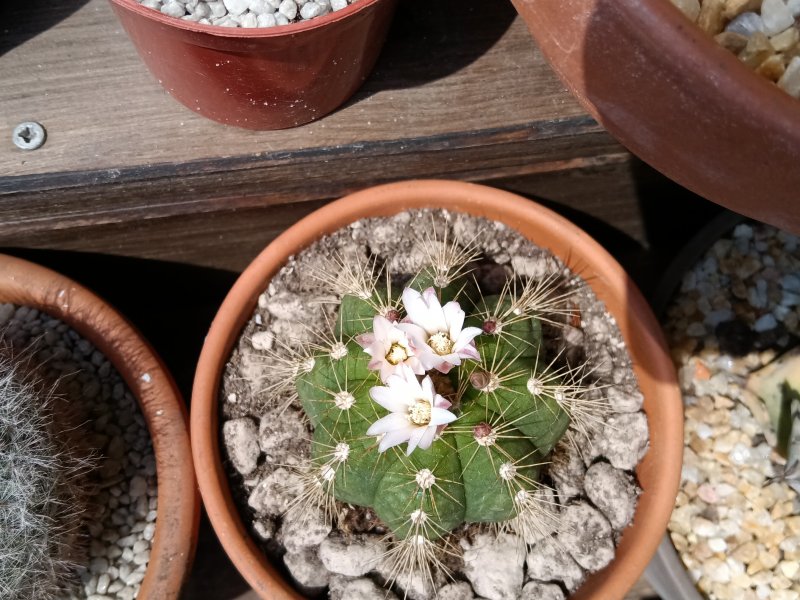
(465, 337)
(440, 416)
(424, 310)
(428, 392)
(393, 438)
(381, 326)
(365, 340)
(388, 399)
(454, 317)
(427, 439)
(414, 439)
(391, 422)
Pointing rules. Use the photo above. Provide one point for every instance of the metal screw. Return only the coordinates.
(29, 135)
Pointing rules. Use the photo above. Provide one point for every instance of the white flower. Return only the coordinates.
(418, 413)
(389, 348)
(437, 332)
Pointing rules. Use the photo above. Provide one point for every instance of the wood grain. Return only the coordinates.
(460, 92)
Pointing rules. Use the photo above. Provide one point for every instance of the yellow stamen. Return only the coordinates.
(441, 343)
(397, 354)
(420, 412)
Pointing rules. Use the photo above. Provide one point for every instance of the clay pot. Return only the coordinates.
(659, 471)
(260, 78)
(27, 284)
(677, 100)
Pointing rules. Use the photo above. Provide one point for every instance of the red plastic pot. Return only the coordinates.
(261, 78)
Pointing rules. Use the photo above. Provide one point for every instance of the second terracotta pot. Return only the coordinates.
(659, 471)
(676, 99)
(261, 78)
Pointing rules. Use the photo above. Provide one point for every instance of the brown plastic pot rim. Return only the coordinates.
(245, 32)
(458, 197)
(28, 284)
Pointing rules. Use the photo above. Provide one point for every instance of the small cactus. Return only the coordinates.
(42, 488)
(457, 376)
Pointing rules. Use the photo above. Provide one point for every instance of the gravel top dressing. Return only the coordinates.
(764, 34)
(595, 493)
(246, 13)
(737, 530)
(122, 523)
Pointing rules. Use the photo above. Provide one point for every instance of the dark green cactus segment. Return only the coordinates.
(355, 316)
(358, 476)
(538, 416)
(519, 337)
(490, 497)
(318, 388)
(461, 289)
(402, 491)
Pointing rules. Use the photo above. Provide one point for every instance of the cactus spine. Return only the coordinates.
(42, 488)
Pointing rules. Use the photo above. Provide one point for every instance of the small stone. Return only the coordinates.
(173, 9)
(765, 323)
(535, 590)
(311, 10)
(790, 81)
(494, 566)
(260, 7)
(307, 569)
(549, 561)
(746, 24)
(338, 4)
(359, 589)
(613, 492)
(267, 20)
(236, 7)
(456, 591)
(587, 536)
(274, 494)
(249, 20)
(776, 16)
(137, 487)
(241, 442)
(98, 565)
(353, 557)
(288, 9)
(303, 531)
(623, 451)
(711, 19)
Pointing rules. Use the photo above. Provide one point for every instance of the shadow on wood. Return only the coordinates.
(24, 20)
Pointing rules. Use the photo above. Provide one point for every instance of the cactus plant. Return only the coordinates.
(43, 488)
(464, 379)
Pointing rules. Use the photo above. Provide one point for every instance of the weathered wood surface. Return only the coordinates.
(460, 92)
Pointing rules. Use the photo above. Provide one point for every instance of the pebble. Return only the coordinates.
(352, 557)
(736, 534)
(493, 565)
(241, 444)
(548, 561)
(119, 437)
(247, 13)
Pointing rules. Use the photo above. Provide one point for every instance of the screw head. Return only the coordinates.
(29, 135)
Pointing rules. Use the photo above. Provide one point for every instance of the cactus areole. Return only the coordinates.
(440, 411)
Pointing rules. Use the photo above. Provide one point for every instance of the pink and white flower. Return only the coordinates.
(417, 412)
(389, 348)
(437, 333)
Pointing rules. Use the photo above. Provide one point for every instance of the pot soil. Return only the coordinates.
(266, 442)
(762, 34)
(130, 550)
(735, 527)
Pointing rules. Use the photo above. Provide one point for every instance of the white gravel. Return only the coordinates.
(126, 501)
(246, 13)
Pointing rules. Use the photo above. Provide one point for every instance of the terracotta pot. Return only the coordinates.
(659, 471)
(261, 78)
(676, 99)
(27, 284)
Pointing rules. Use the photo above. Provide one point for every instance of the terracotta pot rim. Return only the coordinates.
(651, 362)
(27, 284)
(682, 34)
(242, 32)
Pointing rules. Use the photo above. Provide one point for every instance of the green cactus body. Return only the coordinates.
(480, 465)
